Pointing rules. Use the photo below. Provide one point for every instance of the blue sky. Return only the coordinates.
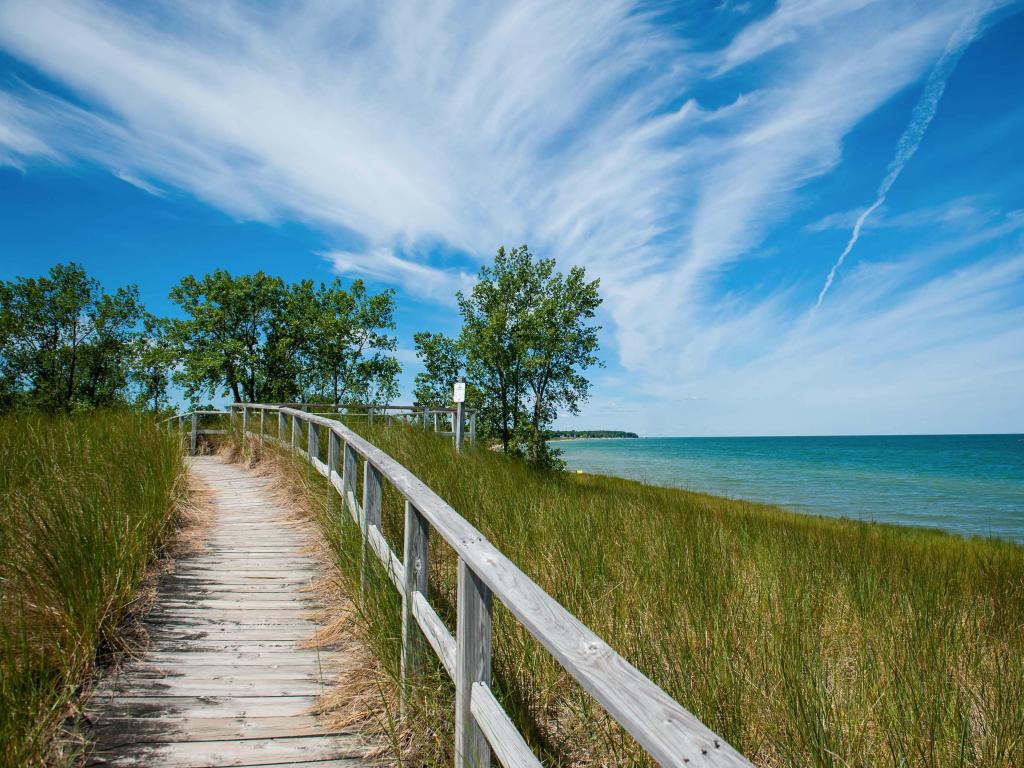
(708, 161)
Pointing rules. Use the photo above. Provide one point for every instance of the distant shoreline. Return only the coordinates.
(562, 435)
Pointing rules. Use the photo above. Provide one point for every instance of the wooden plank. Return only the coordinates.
(415, 558)
(387, 557)
(373, 497)
(508, 744)
(240, 752)
(472, 665)
(228, 680)
(119, 731)
(435, 631)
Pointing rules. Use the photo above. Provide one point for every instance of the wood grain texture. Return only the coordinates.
(229, 678)
(415, 557)
(508, 744)
(472, 665)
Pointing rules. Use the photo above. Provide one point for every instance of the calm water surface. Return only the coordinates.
(967, 484)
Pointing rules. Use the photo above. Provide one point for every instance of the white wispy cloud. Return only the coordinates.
(417, 278)
(571, 126)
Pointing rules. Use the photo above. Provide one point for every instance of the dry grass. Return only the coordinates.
(361, 698)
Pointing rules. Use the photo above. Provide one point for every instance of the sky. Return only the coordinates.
(807, 216)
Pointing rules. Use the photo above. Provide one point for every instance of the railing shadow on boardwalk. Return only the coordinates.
(672, 735)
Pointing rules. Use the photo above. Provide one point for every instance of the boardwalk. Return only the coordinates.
(227, 680)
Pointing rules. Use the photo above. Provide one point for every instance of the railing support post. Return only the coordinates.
(472, 665)
(415, 559)
(295, 433)
(333, 457)
(282, 426)
(262, 414)
(373, 495)
(245, 422)
(472, 428)
(348, 481)
(313, 441)
(195, 434)
(459, 425)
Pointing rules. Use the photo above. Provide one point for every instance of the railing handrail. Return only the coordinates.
(357, 406)
(670, 733)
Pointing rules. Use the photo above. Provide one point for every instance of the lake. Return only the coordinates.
(966, 484)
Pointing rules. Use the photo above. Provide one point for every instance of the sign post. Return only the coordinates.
(459, 422)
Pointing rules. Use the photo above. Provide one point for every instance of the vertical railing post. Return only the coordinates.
(373, 496)
(195, 434)
(472, 665)
(435, 421)
(459, 425)
(472, 428)
(245, 422)
(295, 433)
(282, 426)
(348, 481)
(313, 441)
(333, 456)
(414, 557)
(262, 432)
(369, 415)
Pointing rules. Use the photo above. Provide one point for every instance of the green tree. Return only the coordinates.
(526, 340)
(443, 359)
(154, 363)
(65, 343)
(260, 340)
(228, 336)
(348, 343)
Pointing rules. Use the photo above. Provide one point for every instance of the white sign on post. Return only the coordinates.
(459, 395)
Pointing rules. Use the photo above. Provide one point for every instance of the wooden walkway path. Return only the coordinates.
(227, 680)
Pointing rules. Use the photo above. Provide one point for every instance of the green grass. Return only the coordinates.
(85, 502)
(802, 640)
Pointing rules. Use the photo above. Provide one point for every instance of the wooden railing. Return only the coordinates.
(672, 735)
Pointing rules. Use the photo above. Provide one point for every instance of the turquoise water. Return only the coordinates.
(967, 484)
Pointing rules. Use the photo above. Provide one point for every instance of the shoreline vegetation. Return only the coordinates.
(87, 503)
(556, 435)
(800, 639)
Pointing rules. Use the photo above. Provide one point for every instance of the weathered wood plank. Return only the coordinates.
(240, 752)
(472, 665)
(228, 680)
(508, 744)
(435, 631)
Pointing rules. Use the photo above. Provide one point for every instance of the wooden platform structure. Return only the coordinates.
(228, 679)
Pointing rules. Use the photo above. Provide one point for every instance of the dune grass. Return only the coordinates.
(84, 503)
(802, 640)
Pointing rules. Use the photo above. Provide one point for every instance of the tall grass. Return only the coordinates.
(802, 640)
(84, 503)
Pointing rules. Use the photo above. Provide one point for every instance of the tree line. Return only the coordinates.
(526, 340)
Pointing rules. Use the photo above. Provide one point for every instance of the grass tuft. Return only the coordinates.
(86, 501)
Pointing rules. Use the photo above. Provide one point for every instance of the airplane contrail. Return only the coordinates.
(920, 119)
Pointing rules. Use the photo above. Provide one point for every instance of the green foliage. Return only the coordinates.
(569, 434)
(65, 344)
(87, 500)
(526, 340)
(346, 344)
(260, 340)
(802, 640)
